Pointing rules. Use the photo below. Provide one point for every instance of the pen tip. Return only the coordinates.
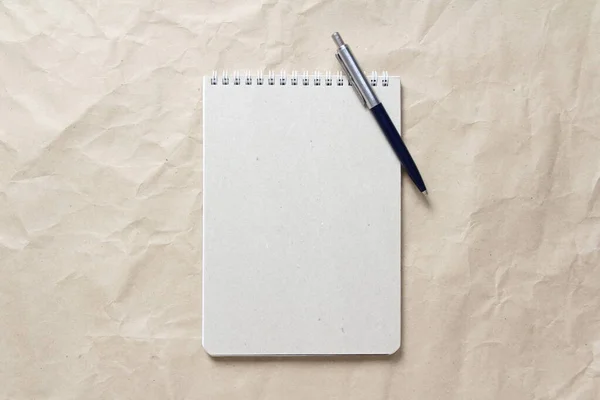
(425, 192)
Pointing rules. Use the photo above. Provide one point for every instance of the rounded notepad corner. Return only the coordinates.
(394, 348)
(208, 349)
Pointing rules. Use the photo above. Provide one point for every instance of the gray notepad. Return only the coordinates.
(301, 223)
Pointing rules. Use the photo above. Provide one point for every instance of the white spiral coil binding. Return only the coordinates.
(295, 79)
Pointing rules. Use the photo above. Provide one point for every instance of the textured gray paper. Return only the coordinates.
(301, 218)
(101, 177)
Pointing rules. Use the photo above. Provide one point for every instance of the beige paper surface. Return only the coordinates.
(100, 196)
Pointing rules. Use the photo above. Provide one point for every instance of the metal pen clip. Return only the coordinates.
(351, 80)
(356, 76)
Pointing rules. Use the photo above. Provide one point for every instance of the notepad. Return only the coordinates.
(301, 217)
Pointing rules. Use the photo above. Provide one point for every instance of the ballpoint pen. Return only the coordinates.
(367, 95)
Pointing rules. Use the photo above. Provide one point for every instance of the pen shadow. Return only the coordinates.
(422, 198)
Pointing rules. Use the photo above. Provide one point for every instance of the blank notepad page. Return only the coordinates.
(301, 219)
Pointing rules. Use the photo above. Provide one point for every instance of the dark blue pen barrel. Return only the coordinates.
(394, 139)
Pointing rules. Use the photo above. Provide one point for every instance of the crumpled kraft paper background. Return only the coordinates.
(101, 184)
